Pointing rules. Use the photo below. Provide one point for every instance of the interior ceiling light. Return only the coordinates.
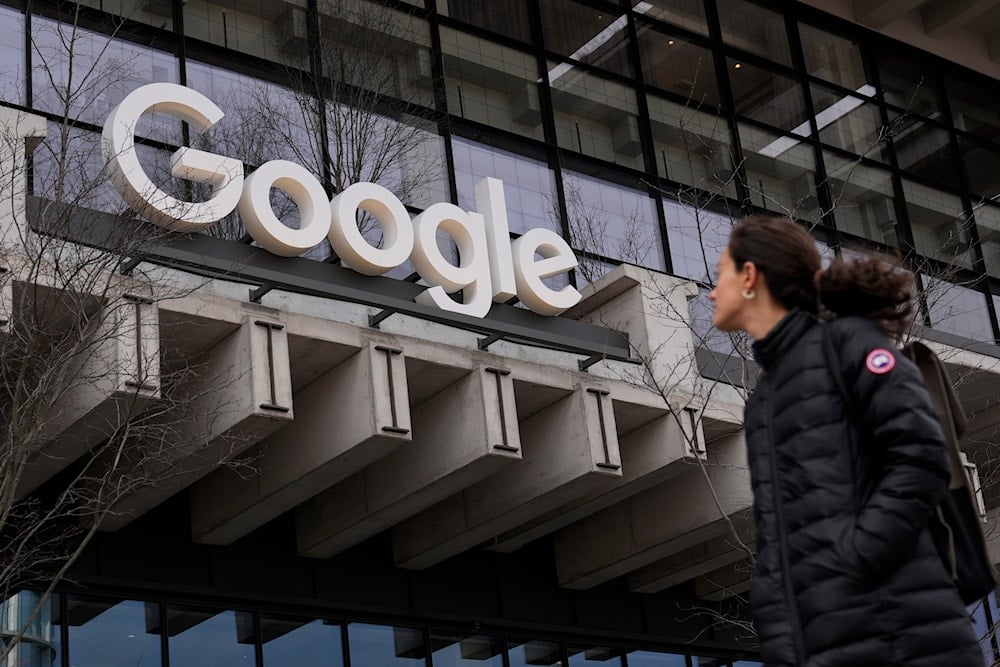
(831, 114)
(597, 41)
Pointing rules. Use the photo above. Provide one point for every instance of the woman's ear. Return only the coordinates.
(748, 274)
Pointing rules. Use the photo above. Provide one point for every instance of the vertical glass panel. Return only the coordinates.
(709, 661)
(529, 185)
(975, 106)
(849, 122)
(534, 653)
(924, 150)
(112, 632)
(595, 116)
(40, 642)
(157, 13)
(12, 61)
(833, 58)
(862, 199)
(386, 646)
(608, 656)
(613, 221)
(957, 309)
(290, 641)
(204, 636)
(275, 31)
(982, 164)
(692, 147)
(977, 611)
(505, 17)
(697, 238)
(68, 167)
(655, 659)
(907, 84)
(104, 71)
(677, 66)
(768, 97)
(594, 36)
(491, 84)
(937, 219)
(453, 650)
(988, 226)
(688, 14)
(780, 173)
(754, 29)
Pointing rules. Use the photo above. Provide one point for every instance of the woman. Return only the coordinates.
(846, 573)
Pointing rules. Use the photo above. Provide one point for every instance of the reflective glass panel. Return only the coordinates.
(833, 58)
(849, 122)
(290, 641)
(909, 85)
(677, 66)
(534, 653)
(688, 14)
(924, 150)
(451, 650)
(595, 116)
(937, 220)
(608, 656)
(206, 636)
(957, 309)
(655, 659)
(754, 29)
(988, 226)
(594, 36)
(613, 221)
(505, 17)
(38, 618)
(747, 663)
(158, 13)
(692, 147)
(780, 173)
(862, 199)
(708, 661)
(112, 632)
(491, 84)
(982, 164)
(68, 167)
(12, 62)
(272, 30)
(529, 185)
(385, 646)
(975, 107)
(697, 238)
(768, 97)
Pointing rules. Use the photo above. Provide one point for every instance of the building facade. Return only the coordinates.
(370, 480)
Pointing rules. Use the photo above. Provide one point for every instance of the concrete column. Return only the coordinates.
(238, 393)
(349, 418)
(570, 451)
(116, 374)
(19, 134)
(460, 435)
(676, 515)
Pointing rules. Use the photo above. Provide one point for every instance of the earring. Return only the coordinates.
(749, 294)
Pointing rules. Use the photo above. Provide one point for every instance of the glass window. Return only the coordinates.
(709, 661)
(595, 116)
(40, 643)
(594, 36)
(688, 14)
(69, 168)
(533, 652)
(849, 122)
(768, 97)
(754, 29)
(924, 150)
(982, 164)
(105, 70)
(608, 656)
(529, 185)
(491, 84)
(207, 636)
(677, 66)
(862, 199)
(504, 17)
(452, 650)
(692, 147)
(159, 13)
(12, 64)
(655, 659)
(833, 58)
(957, 309)
(975, 107)
(780, 173)
(386, 645)
(290, 641)
(940, 227)
(697, 238)
(272, 30)
(908, 84)
(613, 221)
(112, 632)
(988, 226)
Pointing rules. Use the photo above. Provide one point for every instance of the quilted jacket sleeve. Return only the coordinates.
(897, 411)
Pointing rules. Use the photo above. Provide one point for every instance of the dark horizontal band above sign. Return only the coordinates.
(229, 260)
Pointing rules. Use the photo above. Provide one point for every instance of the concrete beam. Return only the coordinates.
(461, 435)
(650, 455)
(993, 46)
(238, 393)
(570, 450)
(880, 13)
(20, 133)
(352, 416)
(115, 375)
(944, 16)
(724, 583)
(643, 529)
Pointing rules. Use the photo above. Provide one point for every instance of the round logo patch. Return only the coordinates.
(880, 361)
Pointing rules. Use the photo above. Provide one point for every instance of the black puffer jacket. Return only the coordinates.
(846, 574)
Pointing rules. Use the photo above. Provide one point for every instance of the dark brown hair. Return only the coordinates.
(789, 262)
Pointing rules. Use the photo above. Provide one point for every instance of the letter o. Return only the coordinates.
(303, 188)
(397, 230)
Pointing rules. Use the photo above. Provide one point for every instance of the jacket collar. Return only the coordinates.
(768, 350)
